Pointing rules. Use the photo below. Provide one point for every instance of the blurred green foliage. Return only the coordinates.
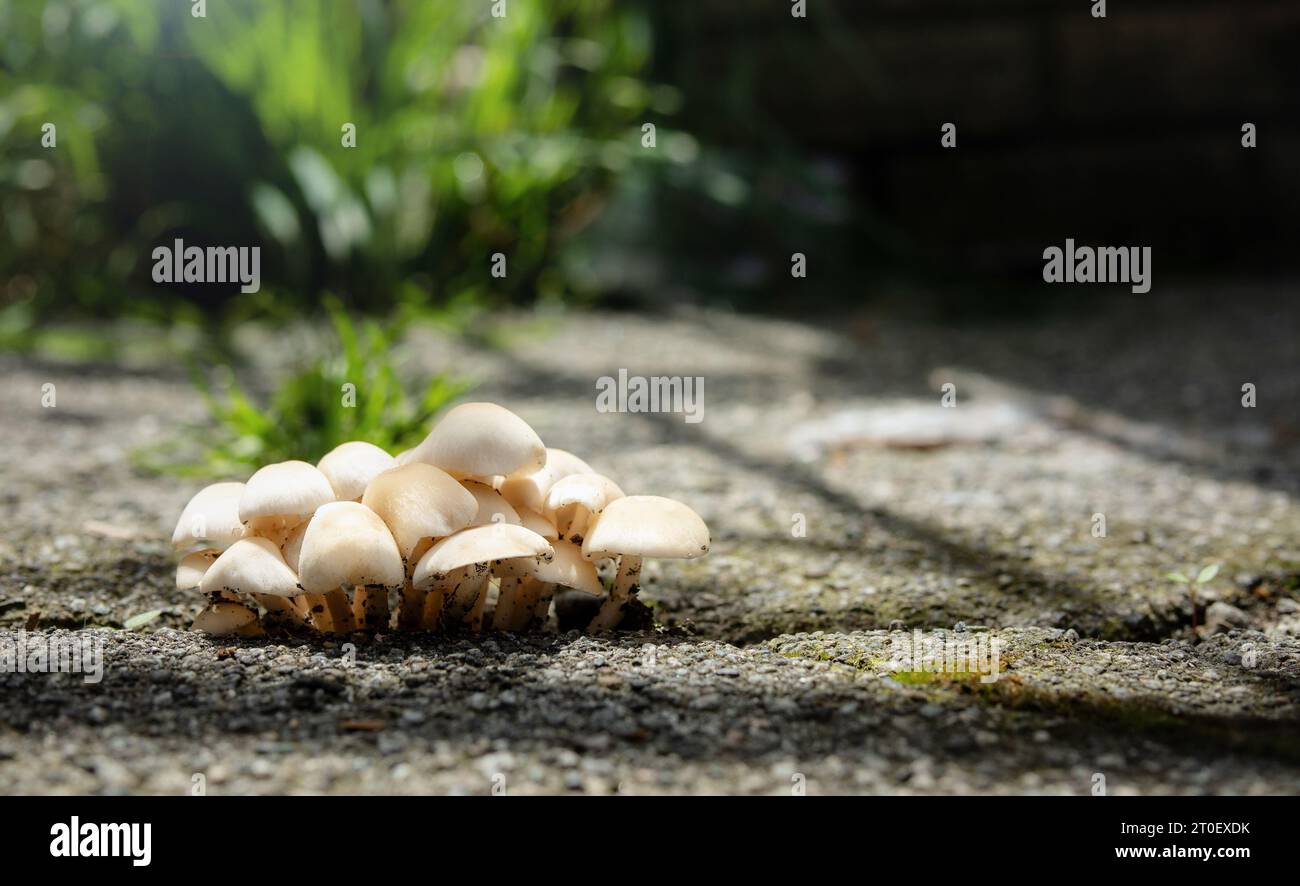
(474, 135)
(353, 391)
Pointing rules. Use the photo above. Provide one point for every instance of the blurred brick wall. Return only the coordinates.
(1117, 130)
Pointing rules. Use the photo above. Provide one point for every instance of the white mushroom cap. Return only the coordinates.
(528, 490)
(569, 569)
(351, 466)
(537, 523)
(274, 529)
(647, 526)
(285, 489)
(211, 516)
(347, 544)
(251, 566)
(224, 618)
(482, 440)
(492, 506)
(292, 547)
(418, 501)
(190, 571)
(592, 492)
(405, 457)
(481, 544)
(562, 463)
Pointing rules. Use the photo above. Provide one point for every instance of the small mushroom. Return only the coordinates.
(255, 567)
(349, 467)
(456, 570)
(575, 502)
(280, 496)
(640, 526)
(482, 441)
(211, 517)
(347, 544)
(189, 572)
(222, 619)
(528, 490)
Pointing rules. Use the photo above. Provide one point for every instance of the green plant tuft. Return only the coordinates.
(353, 392)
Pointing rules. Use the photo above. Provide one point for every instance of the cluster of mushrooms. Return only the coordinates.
(328, 548)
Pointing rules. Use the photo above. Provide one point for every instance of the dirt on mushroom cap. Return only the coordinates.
(251, 566)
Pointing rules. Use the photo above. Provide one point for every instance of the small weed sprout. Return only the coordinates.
(1205, 576)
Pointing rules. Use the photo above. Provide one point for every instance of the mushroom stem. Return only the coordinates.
(512, 601)
(576, 521)
(435, 600)
(302, 608)
(252, 629)
(544, 590)
(280, 611)
(578, 525)
(625, 588)
(475, 617)
(521, 619)
(340, 612)
(439, 605)
(370, 607)
(466, 587)
(411, 610)
(439, 598)
(564, 520)
(224, 618)
(317, 612)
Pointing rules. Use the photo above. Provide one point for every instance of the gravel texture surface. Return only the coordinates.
(848, 508)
